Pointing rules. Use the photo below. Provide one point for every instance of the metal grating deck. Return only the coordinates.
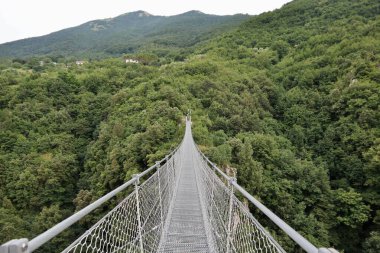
(185, 228)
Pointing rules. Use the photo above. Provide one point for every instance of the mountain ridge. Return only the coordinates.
(125, 33)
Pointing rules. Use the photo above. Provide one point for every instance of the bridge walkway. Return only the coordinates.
(185, 229)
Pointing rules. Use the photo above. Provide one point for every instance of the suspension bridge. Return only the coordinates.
(184, 203)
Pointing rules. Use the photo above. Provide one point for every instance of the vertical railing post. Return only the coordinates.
(173, 170)
(15, 246)
(172, 167)
(137, 181)
(229, 239)
(172, 159)
(169, 174)
(212, 187)
(159, 194)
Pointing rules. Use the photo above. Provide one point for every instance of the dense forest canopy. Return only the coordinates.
(290, 99)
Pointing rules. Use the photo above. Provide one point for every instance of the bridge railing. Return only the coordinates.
(241, 225)
(134, 225)
(233, 228)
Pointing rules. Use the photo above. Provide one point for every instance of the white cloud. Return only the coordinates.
(25, 18)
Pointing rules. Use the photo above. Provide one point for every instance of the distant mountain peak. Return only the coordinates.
(193, 12)
(139, 13)
(134, 14)
(143, 14)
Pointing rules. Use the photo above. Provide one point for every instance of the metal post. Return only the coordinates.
(173, 163)
(173, 170)
(15, 246)
(169, 175)
(138, 211)
(212, 187)
(229, 240)
(159, 194)
(167, 164)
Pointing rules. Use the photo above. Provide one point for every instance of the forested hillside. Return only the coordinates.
(291, 100)
(128, 33)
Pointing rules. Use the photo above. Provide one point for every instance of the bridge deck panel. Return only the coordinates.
(185, 229)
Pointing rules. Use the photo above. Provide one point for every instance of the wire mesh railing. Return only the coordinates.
(136, 224)
(233, 227)
(243, 232)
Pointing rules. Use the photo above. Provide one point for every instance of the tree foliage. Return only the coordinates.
(290, 100)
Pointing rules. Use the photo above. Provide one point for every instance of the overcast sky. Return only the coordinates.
(28, 18)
